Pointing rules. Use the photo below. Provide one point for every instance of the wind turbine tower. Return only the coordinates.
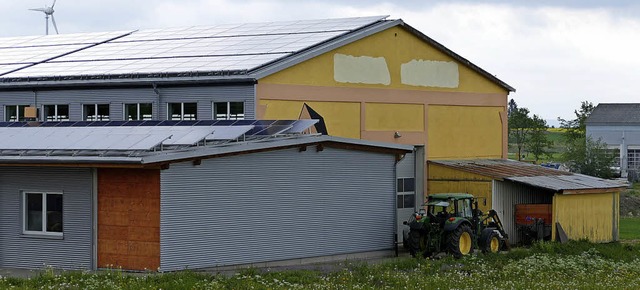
(48, 11)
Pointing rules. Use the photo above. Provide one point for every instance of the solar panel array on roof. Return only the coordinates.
(232, 47)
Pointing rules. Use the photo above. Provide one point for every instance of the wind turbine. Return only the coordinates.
(48, 11)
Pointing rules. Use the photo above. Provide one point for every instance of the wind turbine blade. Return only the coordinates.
(46, 25)
(53, 20)
(54, 3)
(37, 9)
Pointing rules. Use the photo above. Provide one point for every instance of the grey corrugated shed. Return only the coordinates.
(530, 174)
(615, 114)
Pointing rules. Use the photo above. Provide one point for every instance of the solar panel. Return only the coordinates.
(231, 47)
(228, 133)
(300, 126)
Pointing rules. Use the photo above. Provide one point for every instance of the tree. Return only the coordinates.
(583, 154)
(519, 128)
(577, 128)
(538, 143)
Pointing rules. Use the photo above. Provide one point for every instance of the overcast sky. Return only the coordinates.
(555, 53)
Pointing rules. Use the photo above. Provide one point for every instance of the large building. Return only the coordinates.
(367, 78)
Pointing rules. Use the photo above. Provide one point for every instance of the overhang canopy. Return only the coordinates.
(533, 175)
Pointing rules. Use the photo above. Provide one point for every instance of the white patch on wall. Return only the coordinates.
(430, 73)
(360, 69)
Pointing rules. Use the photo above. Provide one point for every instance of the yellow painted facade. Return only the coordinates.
(464, 132)
(587, 216)
(341, 118)
(394, 117)
(443, 179)
(397, 47)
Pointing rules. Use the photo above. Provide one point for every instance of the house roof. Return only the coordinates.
(144, 146)
(529, 174)
(615, 114)
(231, 52)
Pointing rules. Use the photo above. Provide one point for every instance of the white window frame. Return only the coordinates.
(25, 215)
(139, 117)
(18, 113)
(170, 117)
(56, 116)
(85, 118)
(227, 116)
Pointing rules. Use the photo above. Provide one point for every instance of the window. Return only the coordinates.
(42, 213)
(56, 112)
(14, 113)
(406, 197)
(633, 156)
(183, 111)
(228, 111)
(138, 112)
(96, 112)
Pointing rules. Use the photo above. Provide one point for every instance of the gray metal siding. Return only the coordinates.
(116, 97)
(276, 205)
(74, 251)
(406, 168)
(507, 194)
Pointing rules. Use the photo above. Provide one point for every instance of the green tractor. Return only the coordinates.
(453, 223)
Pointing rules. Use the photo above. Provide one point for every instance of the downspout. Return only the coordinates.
(157, 105)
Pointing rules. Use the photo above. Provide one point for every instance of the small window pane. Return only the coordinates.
(146, 112)
(89, 112)
(132, 111)
(11, 113)
(236, 111)
(54, 213)
(190, 111)
(34, 212)
(400, 201)
(409, 200)
(399, 185)
(175, 111)
(220, 111)
(103, 112)
(409, 184)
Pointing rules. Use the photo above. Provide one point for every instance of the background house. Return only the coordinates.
(618, 125)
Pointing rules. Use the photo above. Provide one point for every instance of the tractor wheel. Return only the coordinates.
(491, 244)
(460, 241)
(413, 244)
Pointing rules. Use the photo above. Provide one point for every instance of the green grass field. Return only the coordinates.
(575, 265)
(630, 228)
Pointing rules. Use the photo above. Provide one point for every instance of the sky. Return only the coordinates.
(556, 54)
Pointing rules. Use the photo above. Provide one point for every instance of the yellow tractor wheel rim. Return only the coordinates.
(494, 245)
(465, 243)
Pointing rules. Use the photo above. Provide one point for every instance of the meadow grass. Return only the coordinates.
(546, 265)
(630, 228)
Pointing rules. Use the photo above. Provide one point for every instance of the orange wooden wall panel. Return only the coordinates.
(129, 218)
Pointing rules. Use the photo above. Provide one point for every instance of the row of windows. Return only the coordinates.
(139, 111)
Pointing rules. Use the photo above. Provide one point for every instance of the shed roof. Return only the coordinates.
(615, 114)
(205, 53)
(530, 174)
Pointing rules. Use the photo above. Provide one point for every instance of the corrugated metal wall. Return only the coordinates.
(72, 252)
(507, 194)
(590, 216)
(276, 205)
(117, 97)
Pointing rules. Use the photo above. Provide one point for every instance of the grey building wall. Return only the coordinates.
(276, 205)
(406, 168)
(117, 97)
(507, 194)
(74, 250)
(621, 137)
